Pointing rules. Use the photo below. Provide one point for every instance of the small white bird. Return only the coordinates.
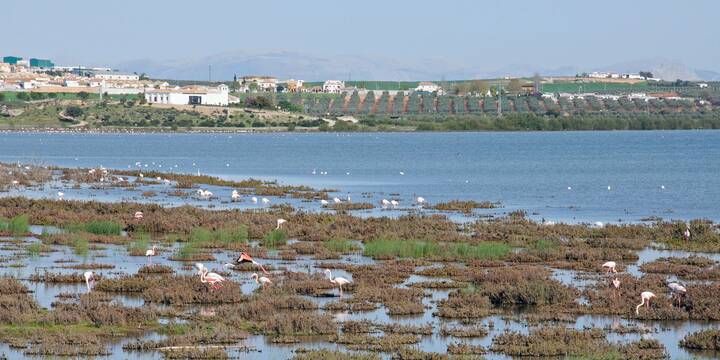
(420, 200)
(235, 196)
(265, 201)
(394, 203)
(261, 280)
(138, 215)
(254, 200)
(609, 188)
(384, 203)
(569, 187)
(339, 281)
(280, 222)
(402, 173)
(89, 280)
(662, 187)
(610, 266)
(337, 200)
(60, 195)
(324, 202)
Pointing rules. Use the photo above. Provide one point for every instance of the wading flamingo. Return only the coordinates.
(384, 203)
(324, 202)
(265, 201)
(280, 222)
(60, 195)
(244, 257)
(394, 203)
(138, 215)
(616, 286)
(610, 266)
(677, 292)
(421, 200)
(261, 280)
(645, 297)
(254, 200)
(337, 200)
(214, 280)
(339, 281)
(151, 252)
(686, 233)
(89, 280)
(235, 196)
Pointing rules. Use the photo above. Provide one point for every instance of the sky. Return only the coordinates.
(463, 33)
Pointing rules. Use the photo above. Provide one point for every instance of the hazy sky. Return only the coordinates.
(487, 33)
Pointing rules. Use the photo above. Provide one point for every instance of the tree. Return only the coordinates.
(479, 86)
(74, 111)
(83, 95)
(514, 86)
(646, 74)
(143, 76)
(23, 96)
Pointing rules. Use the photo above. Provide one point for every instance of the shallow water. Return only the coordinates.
(559, 176)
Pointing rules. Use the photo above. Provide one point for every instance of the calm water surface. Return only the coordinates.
(559, 176)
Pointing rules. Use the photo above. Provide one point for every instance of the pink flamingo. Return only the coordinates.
(215, 280)
(686, 233)
(138, 215)
(645, 297)
(261, 280)
(678, 292)
(244, 257)
(89, 280)
(280, 222)
(610, 266)
(339, 281)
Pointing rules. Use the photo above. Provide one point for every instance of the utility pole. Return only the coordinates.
(209, 73)
(499, 101)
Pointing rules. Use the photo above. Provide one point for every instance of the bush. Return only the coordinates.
(74, 111)
(103, 228)
(274, 239)
(16, 226)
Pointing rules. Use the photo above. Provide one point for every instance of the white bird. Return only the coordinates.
(265, 201)
(610, 266)
(151, 252)
(645, 297)
(662, 187)
(337, 200)
(339, 281)
(599, 224)
(60, 195)
(215, 280)
(394, 203)
(235, 196)
(421, 200)
(314, 172)
(384, 203)
(89, 280)
(167, 181)
(261, 280)
(569, 187)
(138, 215)
(324, 202)
(15, 182)
(616, 283)
(279, 223)
(204, 194)
(609, 188)
(402, 173)
(677, 292)
(254, 200)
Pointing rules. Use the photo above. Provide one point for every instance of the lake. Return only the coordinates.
(558, 176)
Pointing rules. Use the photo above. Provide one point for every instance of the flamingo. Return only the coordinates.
(394, 203)
(151, 252)
(89, 280)
(261, 280)
(421, 200)
(677, 291)
(337, 200)
(324, 202)
(254, 200)
(265, 201)
(215, 280)
(60, 195)
(279, 223)
(138, 215)
(244, 257)
(339, 281)
(645, 297)
(616, 286)
(686, 233)
(384, 203)
(610, 265)
(235, 196)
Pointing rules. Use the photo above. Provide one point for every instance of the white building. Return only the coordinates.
(262, 83)
(425, 86)
(70, 83)
(703, 85)
(115, 75)
(189, 96)
(333, 86)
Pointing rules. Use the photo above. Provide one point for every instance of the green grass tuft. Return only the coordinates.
(387, 248)
(274, 239)
(81, 246)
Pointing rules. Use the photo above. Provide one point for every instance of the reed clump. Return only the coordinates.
(708, 339)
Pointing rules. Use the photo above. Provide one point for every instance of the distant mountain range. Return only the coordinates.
(288, 64)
